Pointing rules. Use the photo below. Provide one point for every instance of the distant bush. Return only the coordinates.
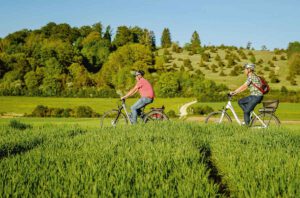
(222, 73)
(282, 57)
(171, 114)
(81, 111)
(274, 58)
(166, 52)
(198, 109)
(176, 48)
(19, 125)
(233, 72)
(40, 111)
(206, 57)
(275, 79)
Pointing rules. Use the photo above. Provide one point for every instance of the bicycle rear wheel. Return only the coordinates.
(267, 118)
(217, 118)
(155, 116)
(113, 119)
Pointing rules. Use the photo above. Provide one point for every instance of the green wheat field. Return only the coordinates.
(173, 159)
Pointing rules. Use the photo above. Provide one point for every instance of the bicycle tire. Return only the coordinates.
(268, 118)
(214, 118)
(109, 119)
(155, 116)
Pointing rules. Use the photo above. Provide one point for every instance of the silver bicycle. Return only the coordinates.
(121, 117)
(264, 119)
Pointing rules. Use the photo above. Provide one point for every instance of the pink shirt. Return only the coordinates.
(145, 88)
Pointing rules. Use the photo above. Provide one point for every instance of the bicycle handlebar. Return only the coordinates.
(229, 96)
(123, 101)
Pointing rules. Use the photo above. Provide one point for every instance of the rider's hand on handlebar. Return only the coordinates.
(123, 98)
(232, 93)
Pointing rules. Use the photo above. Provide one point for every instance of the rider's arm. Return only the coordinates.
(240, 89)
(131, 92)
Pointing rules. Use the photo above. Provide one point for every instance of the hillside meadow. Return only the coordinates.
(280, 68)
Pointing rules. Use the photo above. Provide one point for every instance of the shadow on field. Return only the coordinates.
(214, 174)
(11, 149)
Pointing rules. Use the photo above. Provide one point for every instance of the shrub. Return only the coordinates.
(67, 113)
(206, 57)
(171, 114)
(19, 125)
(200, 109)
(233, 72)
(40, 111)
(222, 73)
(275, 79)
(282, 57)
(83, 112)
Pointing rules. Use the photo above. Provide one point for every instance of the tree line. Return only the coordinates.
(88, 61)
(92, 61)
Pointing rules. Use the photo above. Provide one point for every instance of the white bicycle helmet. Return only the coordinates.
(249, 66)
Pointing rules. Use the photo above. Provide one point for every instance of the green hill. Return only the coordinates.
(267, 66)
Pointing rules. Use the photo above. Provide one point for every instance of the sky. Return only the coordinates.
(273, 23)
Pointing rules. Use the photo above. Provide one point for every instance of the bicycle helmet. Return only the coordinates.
(249, 66)
(139, 72)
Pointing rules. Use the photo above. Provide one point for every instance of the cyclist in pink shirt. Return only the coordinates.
(146, 91)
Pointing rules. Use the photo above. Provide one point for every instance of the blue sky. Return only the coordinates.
(273, 23)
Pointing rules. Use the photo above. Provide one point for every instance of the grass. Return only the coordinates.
(21, 105)
(164, 159)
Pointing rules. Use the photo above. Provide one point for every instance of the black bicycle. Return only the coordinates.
(120, 116)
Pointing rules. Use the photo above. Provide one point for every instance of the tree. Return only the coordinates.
(293, 48)
(166, 38)
(195, 43)
(167, 85)
(98, 28)
(294, 64)
(124, 57)
(264, 47)
(96, 53)
(32, 81)
(52, 84)
(79, 76)
(248, 47)
(123, 36)
(107, 34)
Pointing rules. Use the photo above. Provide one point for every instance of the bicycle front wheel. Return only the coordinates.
(218, 117)
(113, 118)
(155, 116)
(265, 120)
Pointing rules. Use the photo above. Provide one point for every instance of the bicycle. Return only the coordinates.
(265, 119)
(116, 117)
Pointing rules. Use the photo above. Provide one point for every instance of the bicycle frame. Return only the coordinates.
(229, 106)
(126, 112)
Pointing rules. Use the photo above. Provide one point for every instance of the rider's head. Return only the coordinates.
(139, 73)
(249, 67)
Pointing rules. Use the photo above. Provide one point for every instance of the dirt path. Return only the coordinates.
(183, 109)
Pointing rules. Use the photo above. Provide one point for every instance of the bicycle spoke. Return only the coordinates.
(155, 116)
(113, 119)
(265, 120)
(218, 118)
